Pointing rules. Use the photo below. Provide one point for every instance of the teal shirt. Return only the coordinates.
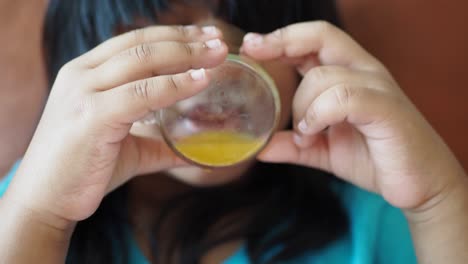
(378, 233)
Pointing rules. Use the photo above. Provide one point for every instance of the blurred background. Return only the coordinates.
(423, 42)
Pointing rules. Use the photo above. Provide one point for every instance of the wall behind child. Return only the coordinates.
(425, 45)
(23, 86)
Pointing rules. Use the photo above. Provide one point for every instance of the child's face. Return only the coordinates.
(285, 77)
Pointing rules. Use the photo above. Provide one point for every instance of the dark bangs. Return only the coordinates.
(74, 27)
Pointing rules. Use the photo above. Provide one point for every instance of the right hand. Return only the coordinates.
(82, 148)
(352, 119)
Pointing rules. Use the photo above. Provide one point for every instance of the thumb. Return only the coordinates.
(155, 155)
(139, 156)
(289, 147)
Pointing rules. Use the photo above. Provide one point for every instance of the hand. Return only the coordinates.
(82, 148)
(353, 120)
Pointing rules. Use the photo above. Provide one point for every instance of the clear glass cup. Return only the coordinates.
(227, 123)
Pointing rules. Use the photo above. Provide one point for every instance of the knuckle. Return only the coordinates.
(181, 31)
(83, 61)
(172, 84)
(138, 35)
(67, 67)
(85, 109)
(143, 52)
(141, 90)
(344, 94)
(86, 60)
(167, 90)
(317, 74)
(323, 26)
(68, 71)
(384, 83)
(281, 33)
(311, 114)
(188, 49)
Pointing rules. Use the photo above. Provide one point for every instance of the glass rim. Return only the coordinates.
(258, 70)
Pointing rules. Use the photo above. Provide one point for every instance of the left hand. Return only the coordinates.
(376, 138)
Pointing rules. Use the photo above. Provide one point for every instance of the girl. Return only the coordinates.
(349, 118)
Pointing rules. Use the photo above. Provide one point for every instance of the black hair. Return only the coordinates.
(281, 210)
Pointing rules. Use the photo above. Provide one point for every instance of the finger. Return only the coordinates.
(321, 78)
(151, 34)
(162, 58)
(306, 141)
(303, 64)
(331, 45)
(131, 102)
(152, 156)
(284, 148)
(156, 155)
(355, 104)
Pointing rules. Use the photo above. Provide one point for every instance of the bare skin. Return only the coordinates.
(350, 94)
(142, 188)
(85, 137)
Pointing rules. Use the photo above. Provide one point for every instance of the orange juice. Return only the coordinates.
(218, 148)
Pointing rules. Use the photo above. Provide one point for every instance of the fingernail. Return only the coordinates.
(209, 30)
(198, 75)
(303, 127)
(253, 39)
(213, 44)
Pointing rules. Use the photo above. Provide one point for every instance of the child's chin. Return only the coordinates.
(200, 177)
